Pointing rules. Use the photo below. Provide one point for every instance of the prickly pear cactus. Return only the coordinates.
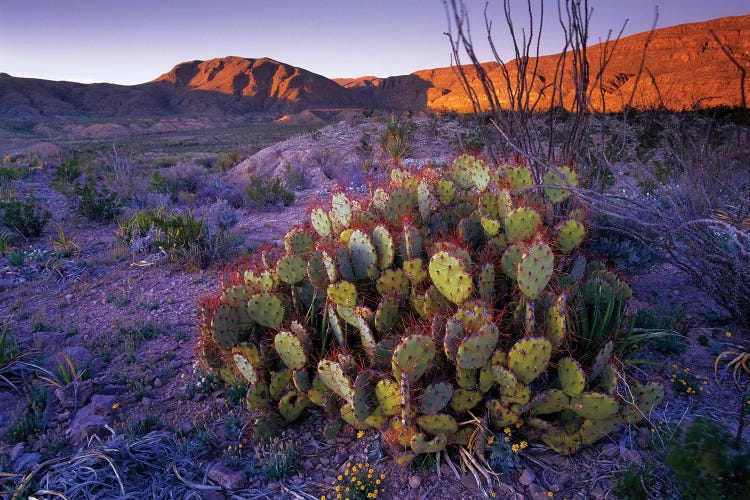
(439, 297)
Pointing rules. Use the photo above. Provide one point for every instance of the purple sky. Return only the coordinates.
(134, 41)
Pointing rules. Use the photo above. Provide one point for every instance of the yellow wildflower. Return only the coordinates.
(360, 434)
(506, 430)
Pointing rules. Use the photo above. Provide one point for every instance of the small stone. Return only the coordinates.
(227, 478)
(273, 486)
(324, 461)
(538, 492)
(597, 493)
(147, 402)
(611, 450)
(414, 481)
(307, 465)
(17, 451)
(175, 364)
(157, 382)
(527, 477)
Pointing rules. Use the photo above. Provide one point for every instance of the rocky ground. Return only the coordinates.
(128, 323)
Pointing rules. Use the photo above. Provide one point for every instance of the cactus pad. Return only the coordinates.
(594, 406)
(529, 357)
(387, 314)
(291, 269)
(362, 256)
(569, 235)
(226, 326)
(280, 382)
(333, 376)
(266, 310)
(343, 294)
(450, 277)
(522, 224)
(320, 222)
(393, 283)
(475, 351)
(413, 356)
(292, 404)
(387, 392)
(446, 191)
(517, 178)
(511, 258)
(290, 350)
(500, 415)
(383, 243)
(535, 269)
(550, 401)
(563, 177)
(464, 400)
(435, 397)
(572, 378)
(486, 283)
(438, 424)
(419, 444)
(298, 242)
(340, 214)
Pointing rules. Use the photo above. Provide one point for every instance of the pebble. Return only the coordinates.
(414, 481)
(157, 382)
(324, 461)
(273, 486)
(307, 465)
(611, 450)
(527, 477)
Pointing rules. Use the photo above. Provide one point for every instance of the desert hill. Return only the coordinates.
(698, 64)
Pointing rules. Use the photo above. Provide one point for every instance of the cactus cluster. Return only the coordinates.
(440, 294)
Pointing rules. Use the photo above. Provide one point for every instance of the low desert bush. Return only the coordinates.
(27, 216)
(263, 194)
(96, 202)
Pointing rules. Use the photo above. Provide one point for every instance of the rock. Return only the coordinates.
(113, 389)
(307, 465)
(175, 364)
(75, 394)
(26, 461)
(538, 492)
(273, 486)
(598, 493)
(17, 451)
(414, 482)
(227, 478)
(470, 483)
(92, 419)
(212, 495)
(324, 461)
(157, 382)
(527, 477)
(611, 450)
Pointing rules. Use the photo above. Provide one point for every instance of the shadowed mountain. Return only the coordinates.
(698, 64)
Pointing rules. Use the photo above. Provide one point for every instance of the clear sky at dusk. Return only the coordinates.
(134, 41)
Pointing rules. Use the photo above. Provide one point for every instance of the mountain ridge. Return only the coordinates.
(687, 65)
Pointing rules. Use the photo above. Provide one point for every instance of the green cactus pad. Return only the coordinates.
(435, 397)
(572, 377)
(292, 404)
(383, 242)
(226, 326)
(550, 401)
(569, 235)
(363, 397)
(301, 380)
(387, 315)
(438, 424)
(247, 360)
(364, 259)
(334, 324)
(500, 415)
(291, 269)
(318, 392)
(393, 283)
(517, 178)
(298, 242)
(560, 441)
(464, 400)
(450, 277)
(266, 309)
(347, 413)
(258, 397)
(475, 351)
(529, 357)
(502, 376)
(332, 375)
(563, 177)
(384, 352)
(265, 281)
(320, 222)
(237, 296)
(646, 398)
(466, 379)
(486, 283)
(369, 344)
(280, 383)
(446, 191)
(316, 270)
(414, 269)
(486, 379)
(535, 269)
(388, 393)
(554, 324)
(419, 444)
(491, 226)
(401, 203)
(594, 406)
(425, 200)
(454, 334)
(593, 430)
(340, 214)
(511, 258)
(522, 224)
(413, 356)
(290, 350)
(343, 294)
(608, 380)
(411, 244)
(436, 303)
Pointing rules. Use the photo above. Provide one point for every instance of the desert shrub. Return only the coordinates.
(161, 184)
(396, 139)
(68, 172)
(186, 177)
(96, 202)
(707, 463)
(295, 178)
(27, 216)
(263, 193)
(228, 160)
(221, 216)
(624, 250)
(637, 483)
(279, 459)
(30, 423)
(410, 304)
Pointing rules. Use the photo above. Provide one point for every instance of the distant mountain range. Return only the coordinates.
(698, 64)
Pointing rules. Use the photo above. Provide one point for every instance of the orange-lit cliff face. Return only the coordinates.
(685, 65)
